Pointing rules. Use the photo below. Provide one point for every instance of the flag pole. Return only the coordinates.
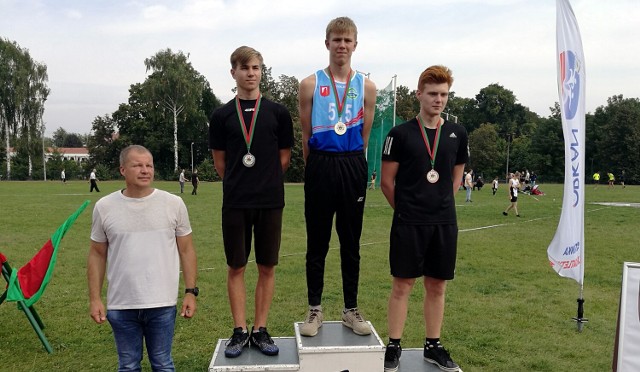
(394, 78)
(579, 318)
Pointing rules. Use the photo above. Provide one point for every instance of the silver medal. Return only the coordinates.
(433, 176)
(340, 128)
(249, 160)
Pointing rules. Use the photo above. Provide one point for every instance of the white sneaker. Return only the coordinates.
(312, 323)
(356, 322)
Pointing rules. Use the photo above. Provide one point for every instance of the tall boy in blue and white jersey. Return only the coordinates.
(336, 112)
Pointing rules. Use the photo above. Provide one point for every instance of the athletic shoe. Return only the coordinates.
(392, 357)
(263, 341)
(505, 213)
(439, 356)
(312, 323)
(235, 345)
(356, 322)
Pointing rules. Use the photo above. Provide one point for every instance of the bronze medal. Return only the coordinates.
(433, 176)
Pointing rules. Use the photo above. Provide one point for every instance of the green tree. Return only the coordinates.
(407, 106)
(547, 150)
(104, 145)
(73, 140)
(23, 92)
(620, 136)
(175, 86)
(486, 157)
(58, 137)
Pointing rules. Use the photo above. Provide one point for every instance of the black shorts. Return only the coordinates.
(423, 250)
(514, 199)
(237, 228)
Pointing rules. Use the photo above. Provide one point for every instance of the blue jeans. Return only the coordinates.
(155, 325)
(468, 193)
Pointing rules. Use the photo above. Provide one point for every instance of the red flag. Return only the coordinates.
(29, 282)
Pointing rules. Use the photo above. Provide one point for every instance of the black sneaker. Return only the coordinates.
(235, 345)
(392, 357)
(263, 341)
(439, 356)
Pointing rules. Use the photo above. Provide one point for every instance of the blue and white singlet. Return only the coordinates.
(324, 114)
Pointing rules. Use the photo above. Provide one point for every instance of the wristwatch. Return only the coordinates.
(194, 291)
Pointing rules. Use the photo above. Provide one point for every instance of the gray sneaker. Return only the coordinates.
(312, 323)
(354, 320)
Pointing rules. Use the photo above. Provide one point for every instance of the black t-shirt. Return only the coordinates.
(419, 202)
(261, 186)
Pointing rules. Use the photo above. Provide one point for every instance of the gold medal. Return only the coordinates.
(433, 176)
(340, 128)
(249, 160)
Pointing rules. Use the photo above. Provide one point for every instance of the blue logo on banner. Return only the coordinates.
(570, 71)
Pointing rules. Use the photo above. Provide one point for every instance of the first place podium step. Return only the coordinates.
(336, 348)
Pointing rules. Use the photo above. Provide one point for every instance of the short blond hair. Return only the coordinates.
(342, 25)
(243, 55)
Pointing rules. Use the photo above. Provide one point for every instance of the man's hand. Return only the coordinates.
(188, 306)
(97, 311)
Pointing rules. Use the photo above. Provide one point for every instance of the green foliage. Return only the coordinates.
(483, 145)
(23, 92)
(504, 296)
(206, 171)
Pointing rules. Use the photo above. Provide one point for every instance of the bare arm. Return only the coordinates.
(285, 159)
(369, 109)
(96, 268)
(388, 181)
(305, 103)
(458, 171)
(219, 159)
(188, 261)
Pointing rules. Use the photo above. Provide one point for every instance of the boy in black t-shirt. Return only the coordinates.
(422, 163)
(251, 138)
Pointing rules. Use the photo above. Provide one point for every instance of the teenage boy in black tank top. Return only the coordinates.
(422, 164)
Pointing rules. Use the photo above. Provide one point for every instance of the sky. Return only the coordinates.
(95, 49)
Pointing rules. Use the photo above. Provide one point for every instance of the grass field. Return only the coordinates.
(506, 309)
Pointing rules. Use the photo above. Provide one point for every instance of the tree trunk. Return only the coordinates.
(175, 139)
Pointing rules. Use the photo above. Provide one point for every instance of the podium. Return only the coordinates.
(334, 349)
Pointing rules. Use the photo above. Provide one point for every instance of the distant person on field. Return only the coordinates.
(494, 185)
(422, 164)
(612, 180)
(182, 179)
(63, 176)
(622, 179)
(514, 187)
(372, 186)
(596, 179)
(195, 181)
(94, 181)
(468, 184)
(141, 237)
(251, 139)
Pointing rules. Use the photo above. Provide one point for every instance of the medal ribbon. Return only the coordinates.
(248, 136)
(339, 104)
(436, 141)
